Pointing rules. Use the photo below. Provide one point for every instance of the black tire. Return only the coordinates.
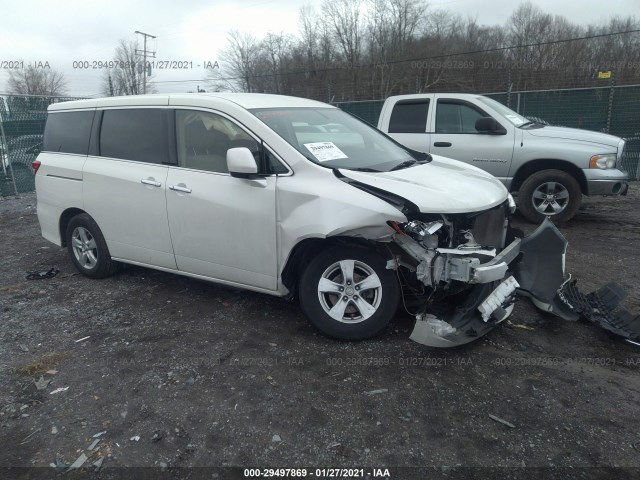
(383, 301)
(103, 266)
(551, 182)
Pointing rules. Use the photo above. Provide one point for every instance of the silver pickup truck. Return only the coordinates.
(550, 168)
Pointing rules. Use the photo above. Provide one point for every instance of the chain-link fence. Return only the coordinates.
(22, 121)
(614, 110)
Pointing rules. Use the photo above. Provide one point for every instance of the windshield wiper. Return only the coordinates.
(365, 169)
(405, 164)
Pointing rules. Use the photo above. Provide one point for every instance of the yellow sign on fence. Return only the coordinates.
(606, 74)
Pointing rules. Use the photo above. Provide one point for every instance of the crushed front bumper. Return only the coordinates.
(534, 267)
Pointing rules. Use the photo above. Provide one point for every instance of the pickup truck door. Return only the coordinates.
(407, 122)
(452, 123)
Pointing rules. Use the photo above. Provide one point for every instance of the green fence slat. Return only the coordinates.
(23, 119)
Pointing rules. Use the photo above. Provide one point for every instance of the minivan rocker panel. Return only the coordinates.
(333, 212)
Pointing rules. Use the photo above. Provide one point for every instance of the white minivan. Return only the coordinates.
(290, 197)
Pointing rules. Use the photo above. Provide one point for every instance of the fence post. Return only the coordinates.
(612, 88)
(6, 148)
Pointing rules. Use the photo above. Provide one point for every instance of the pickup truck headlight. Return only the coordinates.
(603, 162)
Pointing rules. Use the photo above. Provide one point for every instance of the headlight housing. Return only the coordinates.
(603, 161)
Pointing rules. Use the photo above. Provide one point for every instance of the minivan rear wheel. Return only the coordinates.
(551, 193)
(88, 249)
(348, 293)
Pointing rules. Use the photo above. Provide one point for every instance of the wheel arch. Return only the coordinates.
(534, 166)
(307, 248)
(65, 218)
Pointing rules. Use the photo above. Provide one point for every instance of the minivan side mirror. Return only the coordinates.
(241, 163)
(490, 126)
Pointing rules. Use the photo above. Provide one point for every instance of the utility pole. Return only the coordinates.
(144, 61)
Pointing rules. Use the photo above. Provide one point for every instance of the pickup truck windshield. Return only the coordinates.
(514, 117)
(335, 139)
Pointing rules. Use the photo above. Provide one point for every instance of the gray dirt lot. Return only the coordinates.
(215, 373)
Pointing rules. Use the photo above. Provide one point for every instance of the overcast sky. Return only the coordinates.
(195, 30)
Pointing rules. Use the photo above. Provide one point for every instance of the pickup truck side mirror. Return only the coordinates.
(241, 163)
(489, 126)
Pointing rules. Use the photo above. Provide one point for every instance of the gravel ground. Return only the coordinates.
(183, 373)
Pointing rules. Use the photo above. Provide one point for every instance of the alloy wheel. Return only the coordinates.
(85, 248)
(350, 291)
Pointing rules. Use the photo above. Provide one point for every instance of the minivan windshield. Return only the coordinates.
(506, 112)
(335, 139)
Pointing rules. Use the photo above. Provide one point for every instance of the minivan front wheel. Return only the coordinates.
(88, 249)
(551, 193)
(348, 293)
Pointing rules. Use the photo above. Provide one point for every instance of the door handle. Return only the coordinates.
(442, 144)
(148, 181)
(178, 188)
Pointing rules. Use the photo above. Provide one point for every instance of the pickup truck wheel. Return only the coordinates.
(348, 293)
(551, 193)
(88, 249)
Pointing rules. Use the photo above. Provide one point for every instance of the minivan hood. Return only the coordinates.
(441, 186)
(576, 134)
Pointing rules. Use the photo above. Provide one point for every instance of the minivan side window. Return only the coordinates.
(138, 134)
(409, 116)
(203, 139)
(456, 117)
(68, 132)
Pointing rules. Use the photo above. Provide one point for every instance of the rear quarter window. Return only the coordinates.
(68, 132)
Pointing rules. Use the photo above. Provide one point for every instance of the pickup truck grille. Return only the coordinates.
(620, 157)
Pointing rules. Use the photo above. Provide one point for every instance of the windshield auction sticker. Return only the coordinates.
(514, 119)
(325, 151)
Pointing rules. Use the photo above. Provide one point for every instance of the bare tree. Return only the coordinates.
(370, 49)
(345, 21)
(127, 77)
(392, 27)
(239, 60)
(275, 49)
(36, 81)
(309, 34)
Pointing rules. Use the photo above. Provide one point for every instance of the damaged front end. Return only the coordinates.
(457, 270)
(463, 273)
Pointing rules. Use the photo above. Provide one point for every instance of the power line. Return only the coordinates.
(431, 57)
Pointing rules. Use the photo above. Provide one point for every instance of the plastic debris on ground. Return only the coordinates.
(42, 275)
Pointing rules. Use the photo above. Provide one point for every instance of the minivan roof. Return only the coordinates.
(244, 100)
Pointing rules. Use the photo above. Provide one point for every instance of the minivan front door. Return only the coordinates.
(222, 227)
(455, 137)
